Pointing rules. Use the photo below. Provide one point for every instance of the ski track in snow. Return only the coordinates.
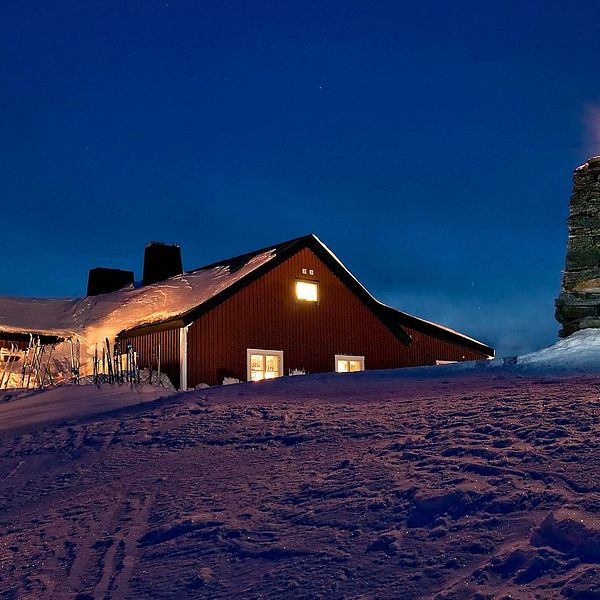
(459, 486)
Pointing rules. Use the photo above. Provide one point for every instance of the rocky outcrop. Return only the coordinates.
(578, 304)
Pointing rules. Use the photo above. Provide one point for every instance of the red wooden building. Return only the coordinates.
(299, 311)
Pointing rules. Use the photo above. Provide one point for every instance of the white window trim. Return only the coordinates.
(360, 359)
(249, 351)
(183, 349)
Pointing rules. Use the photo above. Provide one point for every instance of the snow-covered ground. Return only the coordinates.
(455, 482)
(27, 410)
(577, 354)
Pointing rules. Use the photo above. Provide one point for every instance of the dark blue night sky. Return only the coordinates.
(429, 144)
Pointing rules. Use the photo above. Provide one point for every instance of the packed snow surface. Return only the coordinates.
(23, 410)
(440, 483)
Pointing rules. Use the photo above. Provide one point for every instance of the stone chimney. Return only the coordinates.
(161, 261)
(578, 304)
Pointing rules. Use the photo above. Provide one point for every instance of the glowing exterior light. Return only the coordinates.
(307, 290)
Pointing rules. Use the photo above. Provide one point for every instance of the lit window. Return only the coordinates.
(349, 364)
(264, 364)
(307, 290)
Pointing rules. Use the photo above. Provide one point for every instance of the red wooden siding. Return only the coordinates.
(426, 349)
(146, 347)
(266, 315)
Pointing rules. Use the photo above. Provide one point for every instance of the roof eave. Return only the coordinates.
(443, 333)
(283, 252)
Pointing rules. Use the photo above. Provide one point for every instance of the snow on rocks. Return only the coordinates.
(579, 352)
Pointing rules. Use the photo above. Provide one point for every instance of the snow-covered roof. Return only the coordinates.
(95, 317)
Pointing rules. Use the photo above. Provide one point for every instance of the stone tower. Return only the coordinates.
(578, 304)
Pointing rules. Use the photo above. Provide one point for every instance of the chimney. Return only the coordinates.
(102, 280)
(161, 261)
(578, 304)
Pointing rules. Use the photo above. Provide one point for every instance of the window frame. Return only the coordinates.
(349, 357)
(264, 353)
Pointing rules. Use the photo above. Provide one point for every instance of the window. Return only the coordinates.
(349, 364)
(307, 290)
(264, 364)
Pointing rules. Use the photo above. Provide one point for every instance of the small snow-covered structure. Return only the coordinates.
(290, 307)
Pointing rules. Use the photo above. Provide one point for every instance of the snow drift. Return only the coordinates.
(579, 352)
